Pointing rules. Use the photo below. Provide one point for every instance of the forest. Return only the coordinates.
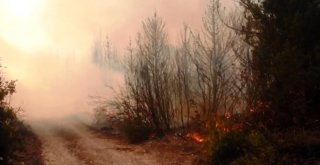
(245, 87)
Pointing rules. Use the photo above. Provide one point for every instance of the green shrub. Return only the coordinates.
(260, 150)
(229, 147)
(262, 147)
(9, 124)
(8, 131)
(241, 147)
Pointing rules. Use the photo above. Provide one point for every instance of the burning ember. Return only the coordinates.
(196, 137)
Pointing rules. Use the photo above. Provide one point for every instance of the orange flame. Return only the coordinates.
(196, 137)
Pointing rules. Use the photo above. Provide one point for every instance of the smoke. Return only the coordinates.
(50, 53)
(52, 86)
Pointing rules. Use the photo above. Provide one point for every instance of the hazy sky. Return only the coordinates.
(47, 45)
(68, 25)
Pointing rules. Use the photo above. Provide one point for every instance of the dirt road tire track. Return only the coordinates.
(73, 143)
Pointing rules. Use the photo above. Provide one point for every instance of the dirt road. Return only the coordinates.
(74, 143)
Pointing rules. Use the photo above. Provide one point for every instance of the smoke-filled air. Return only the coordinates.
(49, 47)
(157, 82)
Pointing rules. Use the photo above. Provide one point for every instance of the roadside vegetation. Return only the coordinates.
(247, 85)
(17, 142)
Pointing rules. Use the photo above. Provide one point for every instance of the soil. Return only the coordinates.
(72, 142)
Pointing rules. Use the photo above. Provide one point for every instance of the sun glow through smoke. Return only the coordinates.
(21, 8)
(20, 25)
(47, 46)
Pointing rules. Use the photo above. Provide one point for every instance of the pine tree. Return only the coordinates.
(285, 37)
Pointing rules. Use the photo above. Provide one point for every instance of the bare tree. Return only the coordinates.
(184, 76)
(148, 96)
(214, 60)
